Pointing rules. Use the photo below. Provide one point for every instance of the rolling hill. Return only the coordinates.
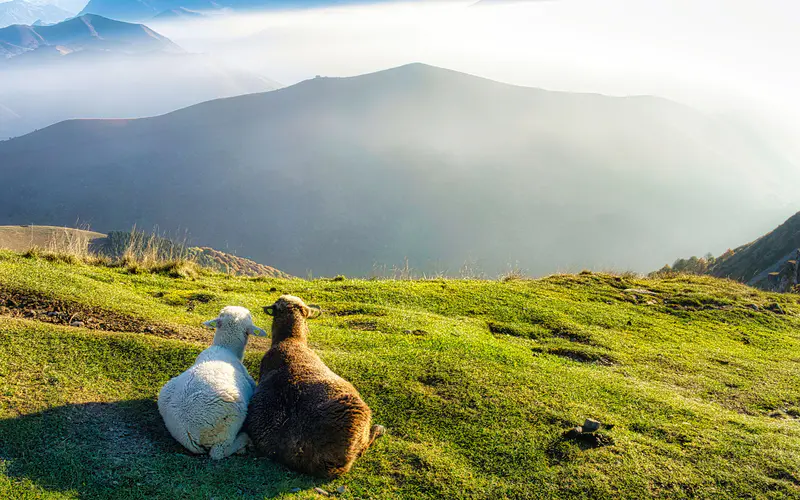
(478, 383)
(25, 12)
(339, 175)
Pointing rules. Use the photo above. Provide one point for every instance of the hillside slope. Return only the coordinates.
(477, 382)
(769, 263)
(415, 162)
(762, 255)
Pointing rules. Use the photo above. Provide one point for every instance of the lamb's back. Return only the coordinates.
(218, 373)
(202, 405)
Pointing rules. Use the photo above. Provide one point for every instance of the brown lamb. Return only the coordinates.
(302, 414)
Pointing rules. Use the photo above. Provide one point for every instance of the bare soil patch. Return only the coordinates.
(37, 307)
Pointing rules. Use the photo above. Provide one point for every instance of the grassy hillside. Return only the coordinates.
(477, 382)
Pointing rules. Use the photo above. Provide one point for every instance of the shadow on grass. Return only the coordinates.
(123, 450)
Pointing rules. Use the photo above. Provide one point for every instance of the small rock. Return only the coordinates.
(591, 425)
(341, 489)
(640, 291)
(77, 324)
(752, 306)
(51, 314)
(295, 490)
(322, 492)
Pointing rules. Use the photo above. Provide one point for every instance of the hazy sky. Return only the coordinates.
(713, 51)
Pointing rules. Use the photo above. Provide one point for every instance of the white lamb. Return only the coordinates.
(205, 406)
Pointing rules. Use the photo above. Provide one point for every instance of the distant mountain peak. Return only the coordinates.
(25, 13)
(87, 31)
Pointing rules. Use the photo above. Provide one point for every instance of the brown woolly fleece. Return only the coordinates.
(302, 414)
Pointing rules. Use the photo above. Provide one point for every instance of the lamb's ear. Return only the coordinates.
(258, 332)
(313, 312)
(212, 323)
(270, 310)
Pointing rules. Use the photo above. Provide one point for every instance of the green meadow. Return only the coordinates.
(696, 381)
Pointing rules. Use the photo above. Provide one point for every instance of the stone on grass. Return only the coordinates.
(591, 425)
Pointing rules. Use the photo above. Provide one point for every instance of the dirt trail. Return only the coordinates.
(37, 307)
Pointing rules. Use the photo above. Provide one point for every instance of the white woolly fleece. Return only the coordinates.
(205, 406)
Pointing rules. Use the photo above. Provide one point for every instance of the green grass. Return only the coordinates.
(476, 381)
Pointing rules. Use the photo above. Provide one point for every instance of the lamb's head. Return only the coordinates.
(234, 325)
(289, 318)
